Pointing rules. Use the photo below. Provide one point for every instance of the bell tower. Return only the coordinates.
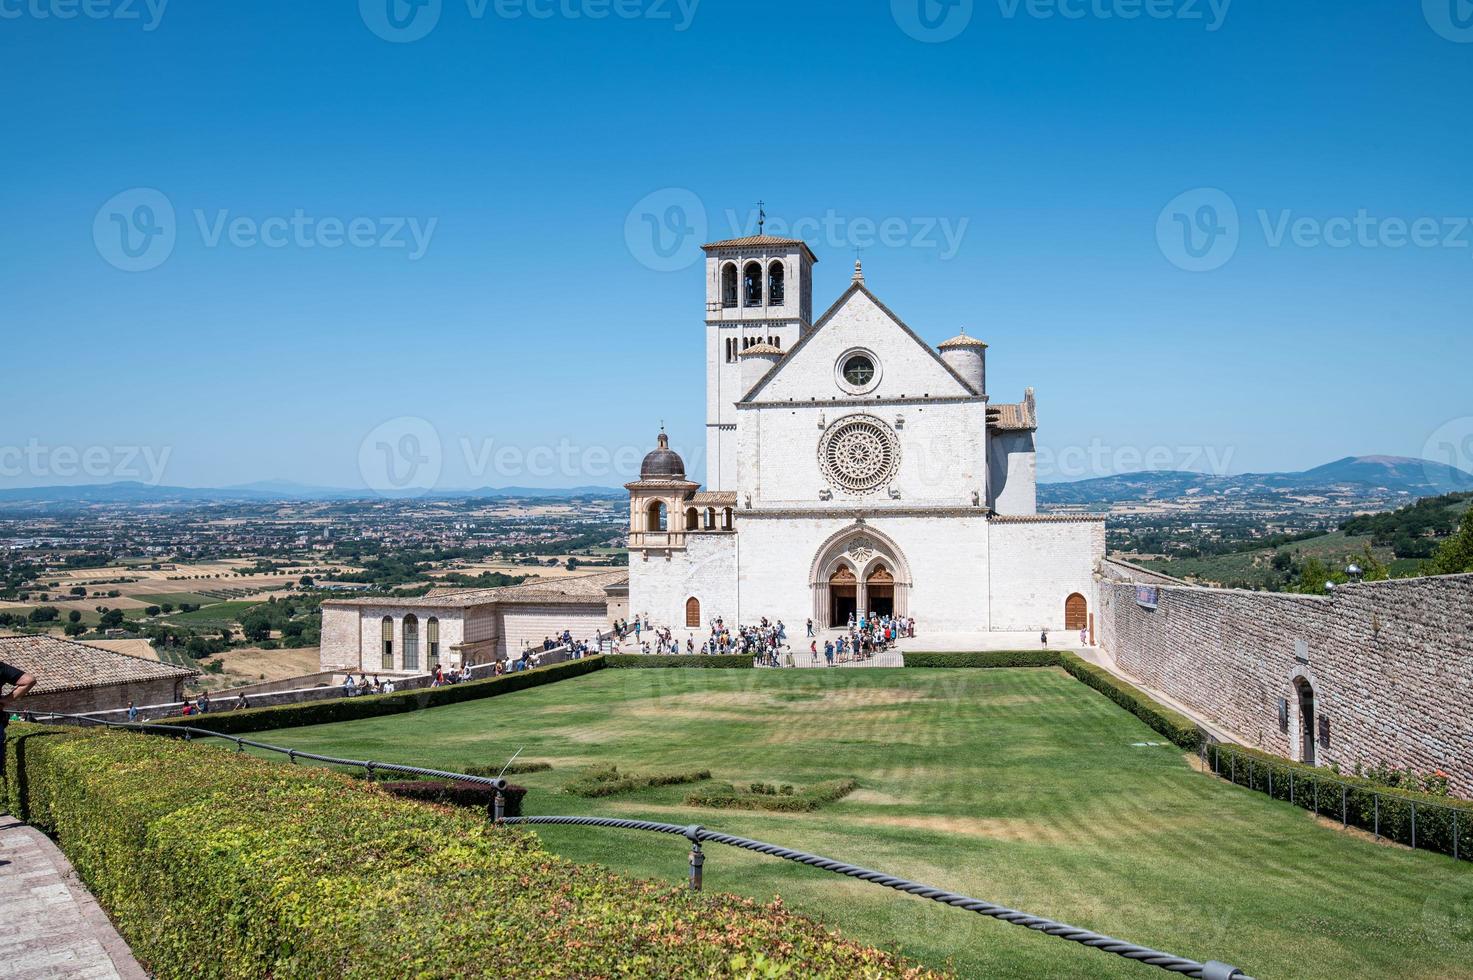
(759, 290)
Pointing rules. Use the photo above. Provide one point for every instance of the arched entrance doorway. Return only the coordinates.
(1076, 612)
(1305, 690)
(879, 591)
(843, 595)
(692, 612)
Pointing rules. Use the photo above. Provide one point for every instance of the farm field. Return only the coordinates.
(1022, 787)
(252, 665)
(1253, 569)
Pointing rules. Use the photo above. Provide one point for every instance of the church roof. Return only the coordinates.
(761, 349)
(66, 665)
(714, 497)
(763, 241)
(1013, 416)
(569, 590)
(960, 340)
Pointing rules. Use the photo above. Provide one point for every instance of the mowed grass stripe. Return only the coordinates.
(1021, 786)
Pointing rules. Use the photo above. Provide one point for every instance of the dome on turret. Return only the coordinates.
(662, 463)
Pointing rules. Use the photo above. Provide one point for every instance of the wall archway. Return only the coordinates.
(692, 613)
(862, 550)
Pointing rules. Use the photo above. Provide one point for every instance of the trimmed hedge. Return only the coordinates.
(450, 793)
(1176, 726)
(611, 782)
(1324, 792)
(378, 705)
(709, 660)
(985, 658)
(511, 769)
(764, 797)
(213, 864)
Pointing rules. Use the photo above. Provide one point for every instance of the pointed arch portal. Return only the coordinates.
(859, 571)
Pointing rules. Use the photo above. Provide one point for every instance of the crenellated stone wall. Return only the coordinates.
(1390, 665)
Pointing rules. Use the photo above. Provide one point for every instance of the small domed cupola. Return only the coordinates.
(967, 356)
(662, 463)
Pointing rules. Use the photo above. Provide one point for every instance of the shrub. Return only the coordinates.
(454, 793)
(611, 782)
(513, 769)
(1177, 727)
(985, 658)
(719, 660)
(1353, 799)
(378, 705)
(783, 799)
(213, 864)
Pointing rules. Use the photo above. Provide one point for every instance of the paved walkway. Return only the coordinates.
(53, 928)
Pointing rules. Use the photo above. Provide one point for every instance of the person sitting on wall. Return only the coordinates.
(242, 702)
(22, 683)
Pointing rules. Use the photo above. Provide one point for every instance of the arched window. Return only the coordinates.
(710, 518)
(752, 284)
(1305, 692)
(411, 642)
(692, 613)
(729, 285)
(387, 662)
(726, 519)
(657, 516)
(692, 519)
(775, 284)
(432, 641)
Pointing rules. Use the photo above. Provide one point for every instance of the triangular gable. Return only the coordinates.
(909, 366)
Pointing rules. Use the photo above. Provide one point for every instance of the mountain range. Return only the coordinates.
(1353, 474)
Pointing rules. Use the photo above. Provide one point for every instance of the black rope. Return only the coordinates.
(1109, 944)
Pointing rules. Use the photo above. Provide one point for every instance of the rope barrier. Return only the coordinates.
(697, 835)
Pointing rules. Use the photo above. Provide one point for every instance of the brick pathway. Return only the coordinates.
(53, 927)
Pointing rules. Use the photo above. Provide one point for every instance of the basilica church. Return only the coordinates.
(852, 468)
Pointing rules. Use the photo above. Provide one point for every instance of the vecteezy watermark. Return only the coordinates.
(1451, 19)
(1100, 459)
(137, 230)
(1200, 230)
(147, 12)
(404, 21)
(36, 460)
(401, 456)
(664, 230)
(934, 21)
(1448, 452)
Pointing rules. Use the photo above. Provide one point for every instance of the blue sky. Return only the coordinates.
(1055, 140)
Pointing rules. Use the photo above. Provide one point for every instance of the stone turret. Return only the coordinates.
(757, 362)
(967, 356)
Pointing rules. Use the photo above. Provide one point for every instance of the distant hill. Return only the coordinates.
(1394, 474)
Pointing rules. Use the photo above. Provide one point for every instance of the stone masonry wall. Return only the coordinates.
(1390, 664)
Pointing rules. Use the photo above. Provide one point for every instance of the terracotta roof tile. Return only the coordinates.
(66, 665)
(572, 590)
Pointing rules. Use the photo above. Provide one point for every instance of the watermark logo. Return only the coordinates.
(932, 21)
(402, 456)
(148, 12)
(1451, 19)
(1450, 446)
(665, 229)
(1199, 230)
(400, 21)
(36, 460)
(135, 230)
(1211, 13)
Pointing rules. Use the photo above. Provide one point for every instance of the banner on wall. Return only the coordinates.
(1147, 596)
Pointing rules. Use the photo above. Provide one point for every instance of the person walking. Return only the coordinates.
(1043, 638)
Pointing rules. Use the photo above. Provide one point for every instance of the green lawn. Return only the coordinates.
(175, 598)
(1022, 787)
(215, 616)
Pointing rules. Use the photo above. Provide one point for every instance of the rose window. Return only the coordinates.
(859, 454)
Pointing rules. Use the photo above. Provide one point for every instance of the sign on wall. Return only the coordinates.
(1147, 596)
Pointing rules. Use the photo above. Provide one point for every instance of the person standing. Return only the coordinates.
(21, 683)
(1043, 638)
(132, 712)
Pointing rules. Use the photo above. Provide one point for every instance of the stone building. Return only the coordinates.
(852, 468)
(75, 678)
(453, 627)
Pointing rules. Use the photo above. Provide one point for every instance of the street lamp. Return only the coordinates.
(1354, 571)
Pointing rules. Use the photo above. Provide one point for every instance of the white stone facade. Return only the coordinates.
(861, 469)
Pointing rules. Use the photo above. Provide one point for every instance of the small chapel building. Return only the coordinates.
(851, 468)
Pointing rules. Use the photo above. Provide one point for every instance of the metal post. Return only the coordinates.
(499, 812)
(1291, 785)
(1455, 835)
(292, 754)
(1270, 782)
(1317, 796)
(1343, 824)
(1414, 825)
(1377, 798)
(1233, 764)
(697, 859)
(239, 745)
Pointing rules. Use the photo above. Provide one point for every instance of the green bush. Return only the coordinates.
(513, 769)
(782, 799)
(377, 705)
(213, 864)
(609, 781)
(1177, 727)
(985, 658)
(1439, 819)
(726, 660)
